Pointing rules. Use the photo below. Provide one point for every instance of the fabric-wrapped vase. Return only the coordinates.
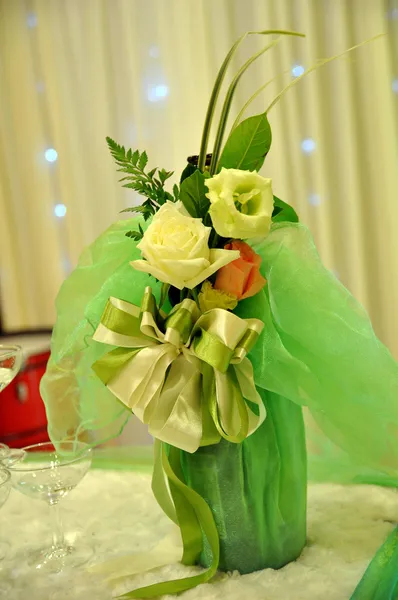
(256, 490)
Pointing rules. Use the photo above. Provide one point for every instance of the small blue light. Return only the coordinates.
(40, 87)
(393, 13)
(308, 145)
(66, 264)
(31, 20)
(60, 210)
(154, 52)
(395, 86)
(157, 92)
(51, 155)
(314, 199)
(298, 70)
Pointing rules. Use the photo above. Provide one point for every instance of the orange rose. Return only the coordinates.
(241, 277)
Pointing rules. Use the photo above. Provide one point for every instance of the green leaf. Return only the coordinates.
(247, 145)
(228, 102)
(193, 194)
(283, 212)
(135, 157)
(141, 208)
(189, 169)
(135, 235)
(132, 165)
(176, 191)
(143, 161)
(218, 84)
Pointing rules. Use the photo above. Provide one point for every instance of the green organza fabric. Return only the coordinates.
(76, 400)
(317, 351)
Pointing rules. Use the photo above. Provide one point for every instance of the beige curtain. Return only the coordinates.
(74, 71)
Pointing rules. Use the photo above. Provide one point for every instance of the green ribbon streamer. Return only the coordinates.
(203, 521)
(380, 581)
(191, 532)
(159, 486)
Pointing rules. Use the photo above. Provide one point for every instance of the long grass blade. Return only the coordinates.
(321, 63)
(217, 87)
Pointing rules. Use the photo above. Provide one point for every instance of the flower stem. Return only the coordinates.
(195, 295)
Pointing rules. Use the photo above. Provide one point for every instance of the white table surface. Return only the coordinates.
(115, 512)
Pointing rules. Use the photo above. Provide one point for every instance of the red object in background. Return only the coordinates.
(23, 418)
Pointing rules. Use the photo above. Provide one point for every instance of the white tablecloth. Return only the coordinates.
(115, 512)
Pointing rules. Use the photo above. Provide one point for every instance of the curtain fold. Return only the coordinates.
(142, 71)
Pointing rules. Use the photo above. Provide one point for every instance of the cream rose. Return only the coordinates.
(241, 203)
(176, 249)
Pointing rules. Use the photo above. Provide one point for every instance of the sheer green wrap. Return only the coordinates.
(257, 491)
(317, 350)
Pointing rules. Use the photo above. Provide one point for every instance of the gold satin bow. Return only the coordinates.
(186, 374)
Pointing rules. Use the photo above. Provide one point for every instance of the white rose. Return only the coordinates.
(241, 203)
(176, 251)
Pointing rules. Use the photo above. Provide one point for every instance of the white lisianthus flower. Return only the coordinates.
(241, 203)
(176, 249)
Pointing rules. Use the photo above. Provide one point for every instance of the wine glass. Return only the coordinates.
(10, 363)
(9, 455)
(49, 472)
(5, 486)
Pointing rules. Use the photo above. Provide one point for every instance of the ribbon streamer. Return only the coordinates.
(185, 375)
(380, 581)
(194, 517)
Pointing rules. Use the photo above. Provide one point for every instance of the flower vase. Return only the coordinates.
(257, 491)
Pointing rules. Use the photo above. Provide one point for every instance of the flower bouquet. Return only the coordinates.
(211, 317)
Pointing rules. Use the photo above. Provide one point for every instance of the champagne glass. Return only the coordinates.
(10, 363)
(5, 486)
(49, 472)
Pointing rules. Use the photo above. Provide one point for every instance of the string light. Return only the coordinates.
(308, 145)
(157, 92)
(31, 20)
(395, 86)
(51, 155)
(298, 70)
(154, 52)
(60, 210)
(314, 199)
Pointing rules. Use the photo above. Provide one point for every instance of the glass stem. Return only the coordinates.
(58, 532)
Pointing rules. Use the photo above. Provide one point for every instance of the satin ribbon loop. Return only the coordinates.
(211, 350)
(185, 375)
